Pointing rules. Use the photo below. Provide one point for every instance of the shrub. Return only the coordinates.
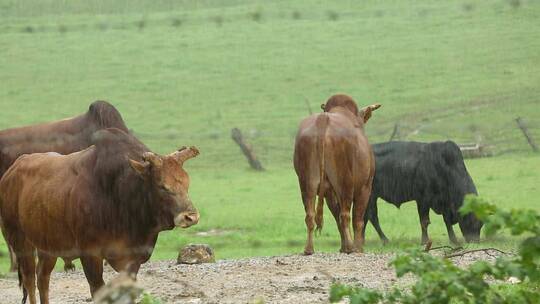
(149, 299)
(440, 281)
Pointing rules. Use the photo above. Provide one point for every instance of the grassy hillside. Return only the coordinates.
(186, 72)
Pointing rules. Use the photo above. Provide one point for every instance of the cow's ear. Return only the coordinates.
(365, 113)
(140, 168)
(154, 159)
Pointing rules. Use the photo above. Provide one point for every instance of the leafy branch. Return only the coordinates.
(440, 281)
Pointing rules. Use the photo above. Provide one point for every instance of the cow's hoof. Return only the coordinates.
(308, 252)
(385, 242)
(346, 250)
(455, 243)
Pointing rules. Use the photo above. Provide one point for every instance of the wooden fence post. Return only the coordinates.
(306, 100)
(236, 135)
(394, 133)
(523, 127)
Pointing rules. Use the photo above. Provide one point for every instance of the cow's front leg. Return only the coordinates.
(133, 269)
(423, 213)
(450, 229)
(93, 270)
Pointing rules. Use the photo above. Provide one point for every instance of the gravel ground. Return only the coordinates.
(283, 279)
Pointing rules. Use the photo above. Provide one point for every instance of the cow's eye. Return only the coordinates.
(164, 188)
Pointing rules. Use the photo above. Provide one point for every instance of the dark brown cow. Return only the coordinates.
(64, 136)
(107, 202)
(333, 159)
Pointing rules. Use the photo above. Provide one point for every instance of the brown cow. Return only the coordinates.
(107, 202)
(333, 159)
(64, 136)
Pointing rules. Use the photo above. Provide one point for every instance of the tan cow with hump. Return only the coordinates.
(107, 202)
(333, 160)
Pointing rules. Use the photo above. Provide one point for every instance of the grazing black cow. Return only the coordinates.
(432, 174)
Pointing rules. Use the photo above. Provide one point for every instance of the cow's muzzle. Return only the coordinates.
(186, 219)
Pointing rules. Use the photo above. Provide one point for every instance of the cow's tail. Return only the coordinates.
(322, 125)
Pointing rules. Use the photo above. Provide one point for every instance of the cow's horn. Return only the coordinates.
(186, 153)
(375, 106)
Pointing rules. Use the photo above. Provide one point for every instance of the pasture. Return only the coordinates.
(186, 72)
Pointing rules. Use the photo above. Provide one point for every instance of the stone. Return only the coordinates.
(196, 254)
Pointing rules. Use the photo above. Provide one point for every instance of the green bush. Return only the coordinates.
(149, 299)
(440, 281)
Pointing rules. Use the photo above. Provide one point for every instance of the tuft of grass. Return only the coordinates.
(149, 299)
(514, 3)
(103, 26)
(468, 7)
(256, 16)
(176, 22)
(332, 15)
(28, 29)
(141, 24)
(218, 20)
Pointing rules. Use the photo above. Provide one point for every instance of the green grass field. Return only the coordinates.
(186, 72)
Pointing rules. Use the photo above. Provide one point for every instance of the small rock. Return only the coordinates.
(513, 280)
(196, 254)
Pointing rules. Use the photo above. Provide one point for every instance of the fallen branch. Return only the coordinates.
(485, 250)
(452, 249)
(326, 274)
(306, 100)
(394, 133)
(525, 130)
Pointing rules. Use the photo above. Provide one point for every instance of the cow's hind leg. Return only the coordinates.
(93, 270)
(308, 199)
(12, 256)
(27, 269)
(345, 222)
(423, 214)
(12, 259)
(450, 229)
(334, 208)
(360, 204)
(44, 268)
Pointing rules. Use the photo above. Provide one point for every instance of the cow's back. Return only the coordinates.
(64, 136)
(349, 157)
(396, 170)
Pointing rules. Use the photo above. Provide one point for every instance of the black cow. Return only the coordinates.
(432, 174)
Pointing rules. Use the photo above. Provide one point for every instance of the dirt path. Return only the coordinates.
(283, 279)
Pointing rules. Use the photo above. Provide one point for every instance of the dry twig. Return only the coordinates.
(485, 250)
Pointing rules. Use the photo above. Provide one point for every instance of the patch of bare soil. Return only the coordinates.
(283, 279)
